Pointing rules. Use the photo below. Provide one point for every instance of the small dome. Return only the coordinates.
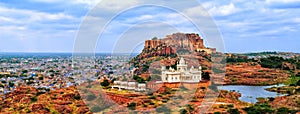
(182, 61)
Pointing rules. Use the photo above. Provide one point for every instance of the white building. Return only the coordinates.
(129, 85)
(182, 74)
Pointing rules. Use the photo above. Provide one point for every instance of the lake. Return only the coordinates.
(250, 93)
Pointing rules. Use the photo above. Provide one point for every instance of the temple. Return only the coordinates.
(182, 74)
(169, 77)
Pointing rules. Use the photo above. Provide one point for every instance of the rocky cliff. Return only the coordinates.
(168, 48)
(172, 44)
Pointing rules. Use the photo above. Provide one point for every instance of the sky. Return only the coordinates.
(56, 25)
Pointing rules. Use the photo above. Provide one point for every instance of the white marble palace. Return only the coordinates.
(182, 74)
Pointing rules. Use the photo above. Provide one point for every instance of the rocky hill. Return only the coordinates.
(31, 100)
(167, 50)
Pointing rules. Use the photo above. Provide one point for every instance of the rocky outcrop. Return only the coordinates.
(291, 102)
(253, 74)
(187, 41)
(178, 42)
(30, 100)
(289, 66)
(167, 49)
(119, 99)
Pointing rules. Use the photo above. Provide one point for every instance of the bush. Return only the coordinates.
(152, 97)
(298, 74)
(230, 106)
(138, 79)
(3, 81)
(105, 83)
(271, 98)
(233, 111)
(298, 83)
(77, 97)
(233, 60)
(272, 62)
(284, 110)
(221, 106)
(131, 106)
(33, 99)
(40, 93)
(259, 109)
(206, 76)
(151, 103)
(11, 84)
(183, 111)
(41, 78)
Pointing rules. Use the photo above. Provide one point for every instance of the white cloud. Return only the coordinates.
(196, 11)
(281, 1)
(296, 20)
(104, 4)
(145, 17)
(223, 10)
(116, 4)
(29, 16)
(87, 2)
(35, 30)
(207, 5)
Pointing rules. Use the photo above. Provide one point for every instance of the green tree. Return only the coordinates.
(284, 110)
(11, 84)
(131, 106)
(233, 111)
(183, 111)
(139, 79)
(113, 80)
(298, 83)
(259, 109)
(206, 76)
(41, 78)
(154, 38)
(105, 83)
(24, 71)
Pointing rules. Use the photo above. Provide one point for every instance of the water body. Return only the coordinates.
(250, 93)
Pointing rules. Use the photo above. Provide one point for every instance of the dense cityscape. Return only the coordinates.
(47, 72)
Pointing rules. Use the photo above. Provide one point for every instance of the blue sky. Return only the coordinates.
(52, 25)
